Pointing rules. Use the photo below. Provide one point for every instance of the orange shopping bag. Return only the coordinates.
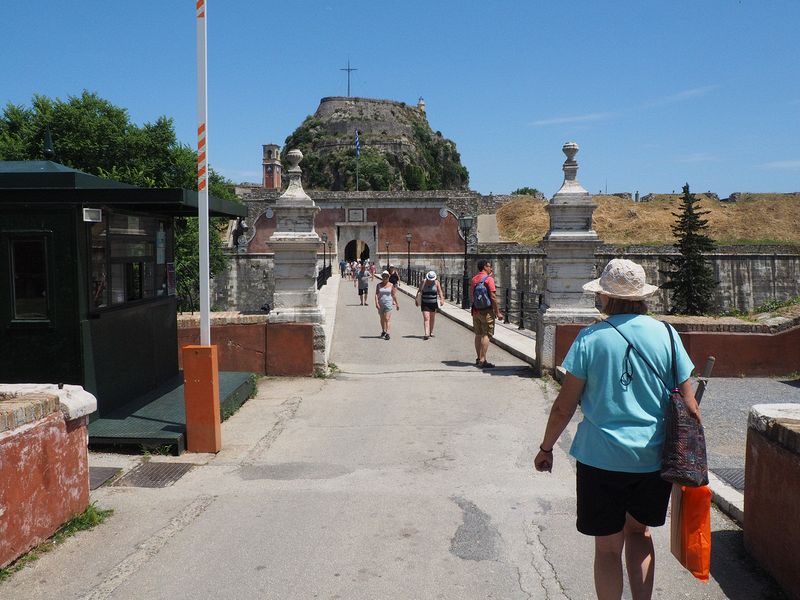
(690, 528)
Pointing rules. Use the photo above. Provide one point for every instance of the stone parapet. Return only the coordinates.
(16, 411)
(44, 467)
(771, 492)
(73, 401)
(233, 317)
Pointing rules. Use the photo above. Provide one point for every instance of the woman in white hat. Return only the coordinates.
(430, 297)
(385, 301)
(620, 370)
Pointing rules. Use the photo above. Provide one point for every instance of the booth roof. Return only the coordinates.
(47, 182)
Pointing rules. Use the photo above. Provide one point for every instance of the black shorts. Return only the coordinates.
(429, 307)
(605, 496)
(362, 292)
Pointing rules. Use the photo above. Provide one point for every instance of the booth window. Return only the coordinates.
(29, 272)
(129, 259)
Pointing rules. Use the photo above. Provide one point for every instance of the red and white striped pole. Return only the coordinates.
(200, 363)
(202, 175)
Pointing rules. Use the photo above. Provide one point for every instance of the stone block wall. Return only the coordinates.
(44, 469)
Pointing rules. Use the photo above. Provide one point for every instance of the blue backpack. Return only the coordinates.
(481, 299)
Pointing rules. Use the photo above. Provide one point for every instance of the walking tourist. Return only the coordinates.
(362, 279)
(385, 301)
(622, 387)
(394, 277)
(429, 297)
(372, 268)
(485, 310)
(342, 267)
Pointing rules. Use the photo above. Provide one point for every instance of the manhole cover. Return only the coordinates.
(99, 475)
(154, 475)
(733, 477)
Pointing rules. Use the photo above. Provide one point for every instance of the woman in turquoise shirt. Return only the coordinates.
(617, 446)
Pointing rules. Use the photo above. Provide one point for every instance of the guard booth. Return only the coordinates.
(87, 280)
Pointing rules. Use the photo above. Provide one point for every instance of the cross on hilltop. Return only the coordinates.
(349, 70)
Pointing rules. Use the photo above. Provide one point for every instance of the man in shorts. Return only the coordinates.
(362, 279)
(483, 319)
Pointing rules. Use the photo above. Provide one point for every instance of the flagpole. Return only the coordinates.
(202, 175)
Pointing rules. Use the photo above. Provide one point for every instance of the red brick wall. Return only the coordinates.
(239, 347)
(431, 232)
(44, 481)
(737, 354)
(772, 509)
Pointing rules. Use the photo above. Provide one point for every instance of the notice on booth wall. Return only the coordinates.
(161, 245)
(171, 279)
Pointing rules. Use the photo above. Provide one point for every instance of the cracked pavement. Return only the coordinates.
(408, 475)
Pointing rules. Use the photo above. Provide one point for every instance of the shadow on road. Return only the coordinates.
(499, 371)
(791, 382)
(736, 572)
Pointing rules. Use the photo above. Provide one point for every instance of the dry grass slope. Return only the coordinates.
(756, 219)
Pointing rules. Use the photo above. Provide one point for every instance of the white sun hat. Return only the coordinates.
(431, 275)
(623, 279)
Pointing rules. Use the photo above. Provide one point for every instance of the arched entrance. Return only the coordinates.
(356, 250)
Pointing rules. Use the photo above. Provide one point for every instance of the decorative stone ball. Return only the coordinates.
(570, 149)
(294, 156)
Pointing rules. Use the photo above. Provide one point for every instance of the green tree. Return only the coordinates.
(93, 135)
(526, 191)
(690, 277)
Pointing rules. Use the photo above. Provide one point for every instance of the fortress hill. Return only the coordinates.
(411, 181)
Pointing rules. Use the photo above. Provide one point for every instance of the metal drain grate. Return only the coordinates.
(154, 475)
(733, 477)
(100, 475)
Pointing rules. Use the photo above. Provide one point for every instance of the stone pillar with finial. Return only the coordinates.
(295, 244)
(570, 246)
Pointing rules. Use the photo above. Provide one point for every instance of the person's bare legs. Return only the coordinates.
(384, 320)
(426, 323)
(608, 566)
(478, 339)
(484, 347)
(433, 320)
(388, 318)
(640, 558)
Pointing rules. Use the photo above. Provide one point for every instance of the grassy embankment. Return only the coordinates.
(756, 219)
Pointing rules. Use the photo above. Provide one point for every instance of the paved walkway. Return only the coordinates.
(407, 475)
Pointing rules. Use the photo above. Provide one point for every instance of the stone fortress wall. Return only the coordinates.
(749, 276)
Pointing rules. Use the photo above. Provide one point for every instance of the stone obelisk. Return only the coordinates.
(570, 245)
(295, 243)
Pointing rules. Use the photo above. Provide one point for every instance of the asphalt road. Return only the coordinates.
(407, 475)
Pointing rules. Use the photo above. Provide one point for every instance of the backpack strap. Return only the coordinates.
(647, 362)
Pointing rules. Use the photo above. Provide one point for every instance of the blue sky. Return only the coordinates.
(655, 93)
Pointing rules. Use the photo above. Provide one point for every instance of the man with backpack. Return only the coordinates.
(485, 310)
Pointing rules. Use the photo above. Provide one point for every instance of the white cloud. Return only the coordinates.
(683, 95)
(573, 119)
(696, 157)
(782, 165)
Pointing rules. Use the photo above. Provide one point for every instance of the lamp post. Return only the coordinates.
(330, 257)
(465, 224)
(388, 262)
(408, 257)
(324, 243)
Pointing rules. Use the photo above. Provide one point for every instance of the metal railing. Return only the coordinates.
(520, 307)
(323, 276)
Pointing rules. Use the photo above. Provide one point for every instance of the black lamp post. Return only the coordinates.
(465, 224)
(330, 257)
(388, 262)
(408, 256)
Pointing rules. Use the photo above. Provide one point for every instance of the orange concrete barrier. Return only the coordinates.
(201, 396)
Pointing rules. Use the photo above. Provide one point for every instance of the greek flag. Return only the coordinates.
(358, 146)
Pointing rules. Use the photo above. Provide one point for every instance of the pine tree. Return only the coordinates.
(690, 277)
